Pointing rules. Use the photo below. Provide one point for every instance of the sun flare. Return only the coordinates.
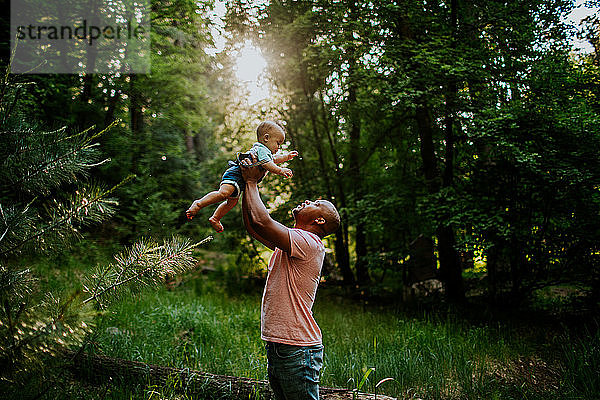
(250, 70)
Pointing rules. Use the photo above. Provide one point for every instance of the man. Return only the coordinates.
(293, 338)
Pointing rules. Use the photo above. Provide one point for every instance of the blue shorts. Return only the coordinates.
(233, 176)
(294, 370)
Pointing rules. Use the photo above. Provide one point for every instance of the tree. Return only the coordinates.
(517, 173)
(404, 95)
(46, 201)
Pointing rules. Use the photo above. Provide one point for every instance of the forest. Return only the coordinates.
(459, 141)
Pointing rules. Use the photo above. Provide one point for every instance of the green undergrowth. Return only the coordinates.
(199, 322)
(435, 356)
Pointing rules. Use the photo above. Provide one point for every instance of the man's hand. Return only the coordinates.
(251, 174)
(291, 155)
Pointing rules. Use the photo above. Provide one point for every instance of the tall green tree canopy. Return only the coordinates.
(447, 119)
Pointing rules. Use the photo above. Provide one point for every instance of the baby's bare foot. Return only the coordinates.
(216, 224)
(192, 211)
(190, 214)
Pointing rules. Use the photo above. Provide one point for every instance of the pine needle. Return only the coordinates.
(145, 263)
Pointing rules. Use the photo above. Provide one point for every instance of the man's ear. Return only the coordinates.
(266, 136)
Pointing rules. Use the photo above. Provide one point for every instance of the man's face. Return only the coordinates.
(322, 211)
(308, 210)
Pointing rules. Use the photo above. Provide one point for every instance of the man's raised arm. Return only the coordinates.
(256, 217)
(249, 228)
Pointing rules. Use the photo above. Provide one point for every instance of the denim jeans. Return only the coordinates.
(294, 370)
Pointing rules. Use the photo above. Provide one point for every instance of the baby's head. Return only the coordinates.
(271, 134)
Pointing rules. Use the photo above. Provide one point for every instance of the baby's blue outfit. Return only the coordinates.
(233, 174)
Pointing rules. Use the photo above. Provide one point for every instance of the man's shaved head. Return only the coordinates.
(319, 216)
(332, 217)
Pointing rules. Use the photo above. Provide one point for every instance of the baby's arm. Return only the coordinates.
(274, 168)
(280, 158)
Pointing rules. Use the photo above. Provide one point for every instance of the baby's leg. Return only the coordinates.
(216, 196)
(220, 212)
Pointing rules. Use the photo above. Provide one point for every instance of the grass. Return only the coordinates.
(203, 324)
(212, 333)
(582, 362)
(428, 356)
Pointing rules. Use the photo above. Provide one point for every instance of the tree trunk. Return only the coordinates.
(136, 119)
(362, 274)
(341, 248)
(450, 270)
(135, 107)
(112, 106)
(426, 146)
(300, 168)
(450, 267)
(594, 298)
(102, 369)
(492, 272)
(83, 116)
(515, 271)
(342, 253)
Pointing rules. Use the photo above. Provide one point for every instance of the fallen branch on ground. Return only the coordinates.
(99, 369)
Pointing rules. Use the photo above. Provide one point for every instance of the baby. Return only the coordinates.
(270, 136)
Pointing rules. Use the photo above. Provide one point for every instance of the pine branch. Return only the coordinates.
(145, 263)
(14, 285)
(53, 324)
(5, 231)
(33, 333)
(12, 105)
(65, 219)
(4, 83)
(37, 161)
(56, 132)
(51, 165)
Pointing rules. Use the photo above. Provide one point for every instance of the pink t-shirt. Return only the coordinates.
(286, 311)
